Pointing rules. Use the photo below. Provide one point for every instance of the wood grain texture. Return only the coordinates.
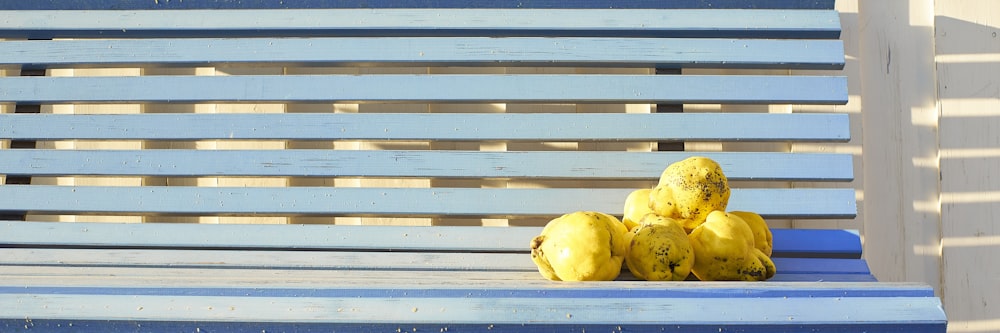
(429, 51)
(727, 23)
(402, 163)
(146, 280)
(850, 33)
(464, 125)
(70, 109)
(429, 88)
(348, 260)
(263, 283)
(967, 45)
(418, 294)
(5, 108)
(901, 175)
(554, 312)
(791, 243)
(262, 201)
(261, 4)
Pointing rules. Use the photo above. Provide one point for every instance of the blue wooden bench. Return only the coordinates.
(107, 275)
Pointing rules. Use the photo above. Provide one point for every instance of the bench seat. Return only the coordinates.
(479, 121)
(314, 277)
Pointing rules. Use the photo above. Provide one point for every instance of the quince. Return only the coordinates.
(636, 207)
(659, 250)
(690, 189)
(724, 251)
(580, 246)
(763, 240)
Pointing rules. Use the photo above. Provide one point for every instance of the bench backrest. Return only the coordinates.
(553, 110)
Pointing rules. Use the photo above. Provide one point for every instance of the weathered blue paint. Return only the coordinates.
(171, 277)
(625, 289)
(343, 201)
(100, 326)
(744, 127)
(815, 243)
(915, 313)
(378, 268)
(714, 23)
(430, 51)
(264, 4)
(409, 163)
(745, 89)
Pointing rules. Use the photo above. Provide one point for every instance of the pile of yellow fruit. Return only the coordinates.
(667, 233)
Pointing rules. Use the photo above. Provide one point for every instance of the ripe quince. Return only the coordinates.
(636, 207)
(724, 251)
(690, 189)
(580, 246)
(659, 250)
(763, 240)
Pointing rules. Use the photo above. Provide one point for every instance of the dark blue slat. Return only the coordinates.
(817, 243)
(823, 278)
(271, 4)
(821, 266)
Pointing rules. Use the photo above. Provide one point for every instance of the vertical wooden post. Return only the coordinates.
(669, 108)
(902, 229)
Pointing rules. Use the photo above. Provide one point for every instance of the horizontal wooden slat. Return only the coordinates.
(340, 260)
(774, 203)
(410, 163)
(355, 278)
(404, 283)
(430, 51)
(194, 4)
(431, 88)
(816, 243)
(386, 282)
(258, 236)
(787, 242)
(438, 127)
(911, 314)
(422, 22)
(806, 277)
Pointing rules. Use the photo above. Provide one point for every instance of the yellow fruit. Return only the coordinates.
(724, 251)
(762, 238)
(580, 246)
(659, 250)
(636, 206)
(689, 190)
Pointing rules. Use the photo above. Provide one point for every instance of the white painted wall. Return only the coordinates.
(930, 100)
